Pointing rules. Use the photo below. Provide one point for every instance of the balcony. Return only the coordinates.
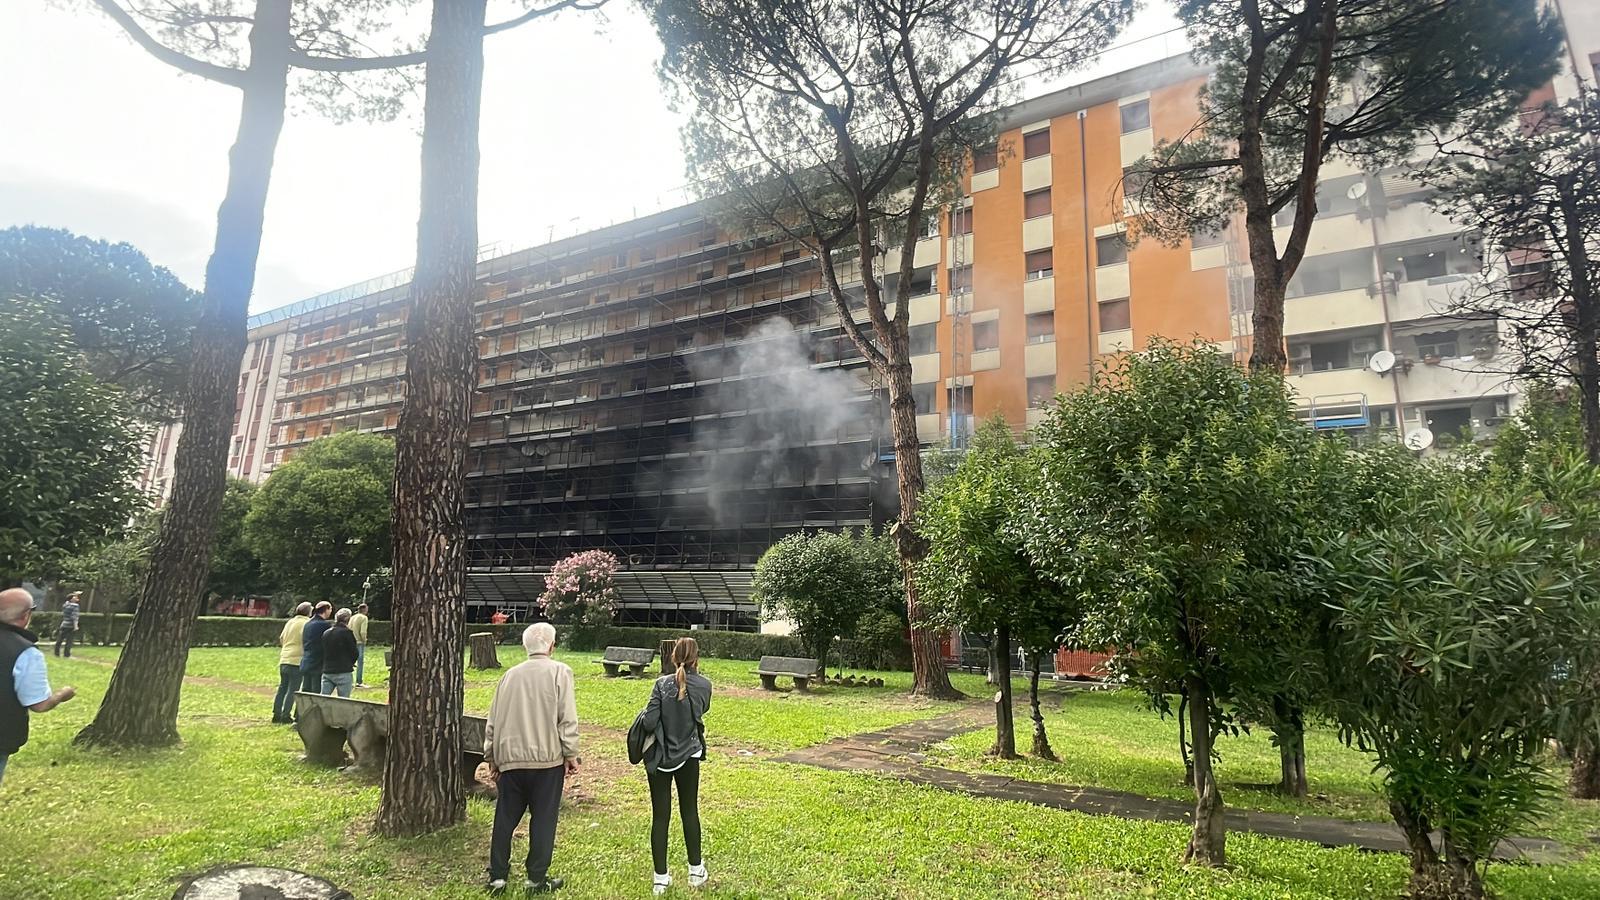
(1331, 312)
(1432, 297)
(1341, 382)
(1461, 378)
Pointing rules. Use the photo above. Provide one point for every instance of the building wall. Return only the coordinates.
(260, 372)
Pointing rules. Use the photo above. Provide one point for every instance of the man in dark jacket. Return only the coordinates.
(311, 648)
(339, 656)
(23, 688)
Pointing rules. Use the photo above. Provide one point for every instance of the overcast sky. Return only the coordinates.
(98, 137)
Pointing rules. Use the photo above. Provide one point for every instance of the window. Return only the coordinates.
(961, 220)
(1041, 391)
(640, 348)
(1449, 423)
(637, 385)
(1432, 258)
(1329, 355)
(1041, 327)
(646, 288)
(1331, 272)
(1115, 315)
(500, 404)
(685, 341)
(1039, 263)
(1135, 116)
(1036, 203)
(930, 226)
(924, 339)
(986, 335)
(1035, 144)
(706, 275)
(735, 267)
(1133, 181)
(1110, 250)
(1199, 240)
(621, 260)
(1441, 344)
(961, 279)
(925, 395)
(791, 255)
(647, 255)
(986, 160)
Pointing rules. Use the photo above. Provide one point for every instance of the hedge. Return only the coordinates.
(713, 644)
(210, 631)
(252, 631)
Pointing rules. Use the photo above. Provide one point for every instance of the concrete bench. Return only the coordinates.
(634, 659)
(327, 722)
(771, 668)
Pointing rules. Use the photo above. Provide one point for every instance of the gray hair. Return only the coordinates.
(342, 615)
(15, 604)
(303, 609)
(539, 637)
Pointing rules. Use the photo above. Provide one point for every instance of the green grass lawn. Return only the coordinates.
(96, 824)
(1113, 739)
(741, 712)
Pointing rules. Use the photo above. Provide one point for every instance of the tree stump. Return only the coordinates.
(245, 882)
(483, 655)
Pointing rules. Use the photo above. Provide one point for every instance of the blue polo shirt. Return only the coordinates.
(29, 677)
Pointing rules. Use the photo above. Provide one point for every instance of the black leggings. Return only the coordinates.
(688, 779)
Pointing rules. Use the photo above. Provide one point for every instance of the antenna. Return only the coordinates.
(1381, 361)
(1419, 439)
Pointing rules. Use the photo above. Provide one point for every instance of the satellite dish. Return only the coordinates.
(1419, 439)
(1357, 190)
(1381, 361)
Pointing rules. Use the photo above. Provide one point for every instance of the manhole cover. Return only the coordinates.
(257, 883)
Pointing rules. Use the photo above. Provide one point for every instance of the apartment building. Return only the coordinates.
(683, 396)
(260, 375)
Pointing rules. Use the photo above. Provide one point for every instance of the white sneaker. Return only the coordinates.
(698, 875)
(660, 884)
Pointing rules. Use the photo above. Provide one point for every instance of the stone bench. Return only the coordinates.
(327, 722)
(634, 659)
(771, 668)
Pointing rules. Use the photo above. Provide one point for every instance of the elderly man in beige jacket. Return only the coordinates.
(531, 746)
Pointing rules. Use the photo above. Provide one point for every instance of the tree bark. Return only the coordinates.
(1208, 842)
(1005, 729)
(1584, 783)
(1290, 731)
(423, 787)
(928, 675)
(1586, 337)
(994, 661)
(141, 704)
(1041, 740)
(1183, 740)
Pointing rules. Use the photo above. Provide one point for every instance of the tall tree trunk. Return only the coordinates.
(141, 704)
(1208, 842)
(1005, 729)
(1290, 731)
(423, 787)
(1183, 740)
(928, 675)
(994, 661)
(1041, 740)
(1586, 322)
(1584, 783)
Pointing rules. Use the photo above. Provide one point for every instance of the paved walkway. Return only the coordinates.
(898, 752)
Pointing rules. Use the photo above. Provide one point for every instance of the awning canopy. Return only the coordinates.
(727, 590)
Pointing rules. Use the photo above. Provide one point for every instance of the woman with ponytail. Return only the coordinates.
(675, 718)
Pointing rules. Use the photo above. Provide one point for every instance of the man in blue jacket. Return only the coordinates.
(311, 648)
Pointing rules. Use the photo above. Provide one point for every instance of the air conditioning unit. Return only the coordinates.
(1365, 345)
(1299, 352)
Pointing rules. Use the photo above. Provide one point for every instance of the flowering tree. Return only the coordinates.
(581, 589)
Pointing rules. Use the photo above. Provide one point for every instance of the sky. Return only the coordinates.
(99, 138)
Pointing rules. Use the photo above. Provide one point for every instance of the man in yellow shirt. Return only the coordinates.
(358, 626)
(289, 664)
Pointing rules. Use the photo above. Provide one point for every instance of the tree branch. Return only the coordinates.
(540, 12)
(181, 61)
(303, 60)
